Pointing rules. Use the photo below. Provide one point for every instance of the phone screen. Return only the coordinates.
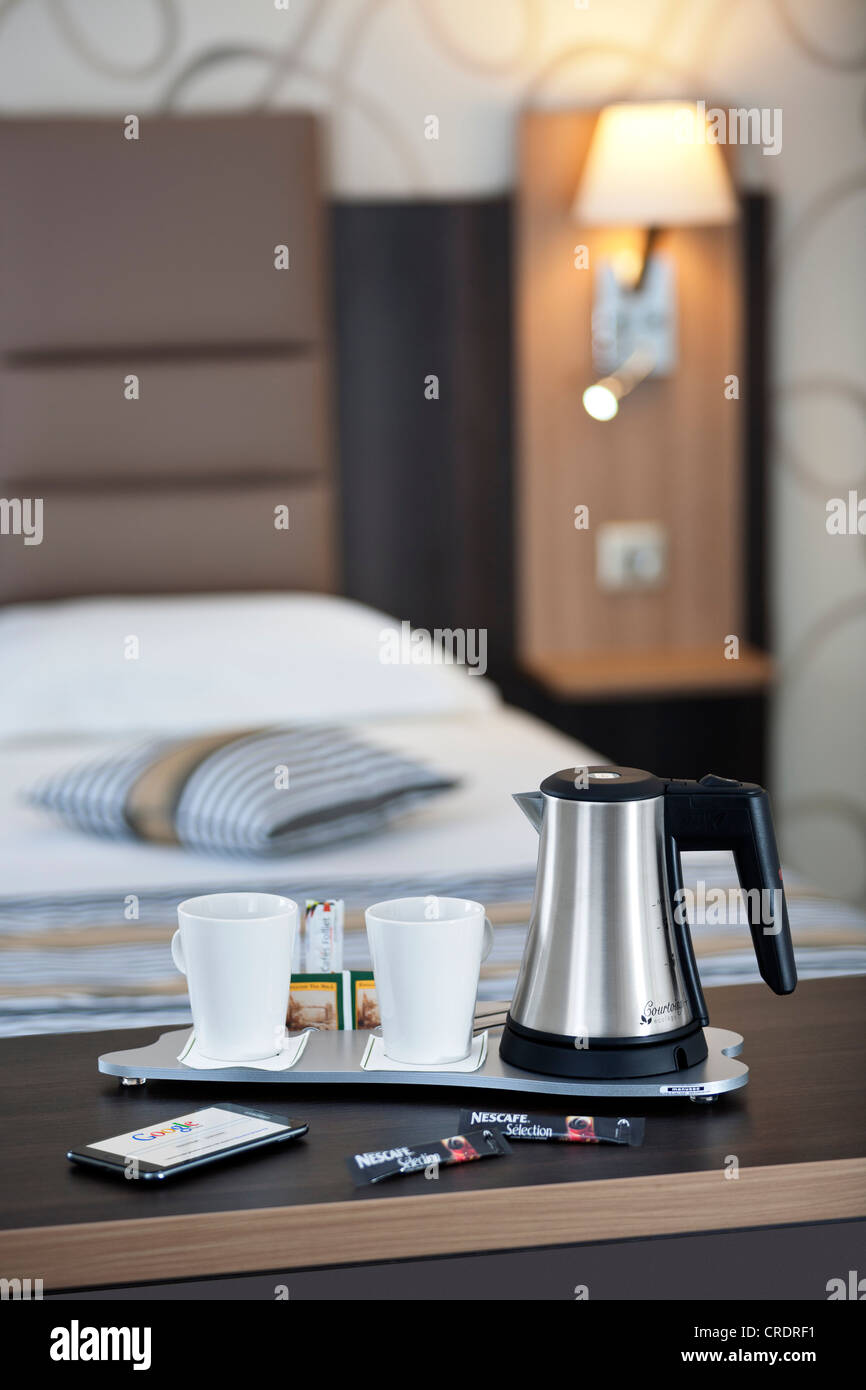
(185, 1139)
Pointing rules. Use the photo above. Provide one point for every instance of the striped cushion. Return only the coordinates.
(267, 793)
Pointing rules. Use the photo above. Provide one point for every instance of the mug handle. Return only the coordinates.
(487, 945)
(177, 952)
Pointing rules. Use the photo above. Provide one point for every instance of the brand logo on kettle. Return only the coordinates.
(653, 1011)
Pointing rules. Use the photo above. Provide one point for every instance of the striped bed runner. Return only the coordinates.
(71, 964)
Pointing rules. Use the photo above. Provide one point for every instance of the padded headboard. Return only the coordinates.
(155, 258)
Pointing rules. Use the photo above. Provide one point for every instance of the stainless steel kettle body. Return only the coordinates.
(608, 986)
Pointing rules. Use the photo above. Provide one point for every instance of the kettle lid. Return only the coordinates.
(603, 782)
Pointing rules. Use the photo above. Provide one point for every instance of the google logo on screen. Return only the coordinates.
(176, 1127)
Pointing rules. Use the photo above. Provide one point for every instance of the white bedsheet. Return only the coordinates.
(85, 923)
(67, 962)
(473, 831)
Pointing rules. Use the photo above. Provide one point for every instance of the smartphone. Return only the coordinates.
(172, 1147)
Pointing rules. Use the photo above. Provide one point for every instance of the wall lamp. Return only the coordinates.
(601, 400)
(650, 166)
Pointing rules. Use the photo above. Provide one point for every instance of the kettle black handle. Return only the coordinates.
(717, 813)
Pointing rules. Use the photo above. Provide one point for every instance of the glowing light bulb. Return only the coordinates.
(600, 402)
(627, 266)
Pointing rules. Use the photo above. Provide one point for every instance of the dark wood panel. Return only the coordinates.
(423, 289)
(803, 1104)
(675, 737)
(756, 225)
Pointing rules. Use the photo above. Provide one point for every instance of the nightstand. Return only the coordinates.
(678, 712)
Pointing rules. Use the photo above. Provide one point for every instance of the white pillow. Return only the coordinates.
(209, 662)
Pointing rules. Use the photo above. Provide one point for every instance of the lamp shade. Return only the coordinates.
(651, 165)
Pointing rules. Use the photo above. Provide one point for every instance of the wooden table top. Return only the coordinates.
(796, 1131)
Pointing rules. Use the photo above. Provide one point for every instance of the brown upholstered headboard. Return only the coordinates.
(155, 259)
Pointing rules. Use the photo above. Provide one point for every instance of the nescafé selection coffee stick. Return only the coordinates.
(579, 1129)
(459, 1148)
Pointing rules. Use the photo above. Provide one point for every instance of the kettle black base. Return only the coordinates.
(602, 1059)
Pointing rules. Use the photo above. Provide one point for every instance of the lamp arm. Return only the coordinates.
(648, 248)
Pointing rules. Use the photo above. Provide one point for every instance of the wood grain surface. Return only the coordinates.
(796, 1131)
(658, 671)
(671, 455)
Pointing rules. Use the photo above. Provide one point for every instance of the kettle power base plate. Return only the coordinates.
(334, 1059)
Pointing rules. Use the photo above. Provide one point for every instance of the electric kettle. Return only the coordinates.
(608, 985)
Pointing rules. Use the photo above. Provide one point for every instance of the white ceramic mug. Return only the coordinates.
(236, 952)
(427, 954)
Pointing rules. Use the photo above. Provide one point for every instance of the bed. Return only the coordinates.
(85, 921)
(165, 391)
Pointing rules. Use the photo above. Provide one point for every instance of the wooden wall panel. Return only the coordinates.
(671, 455)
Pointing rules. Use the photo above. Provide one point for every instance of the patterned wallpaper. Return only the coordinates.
(382, 68)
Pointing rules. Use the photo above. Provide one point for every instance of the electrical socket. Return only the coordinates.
(631, 555)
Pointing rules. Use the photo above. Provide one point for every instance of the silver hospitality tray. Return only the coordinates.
(334, 1059)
